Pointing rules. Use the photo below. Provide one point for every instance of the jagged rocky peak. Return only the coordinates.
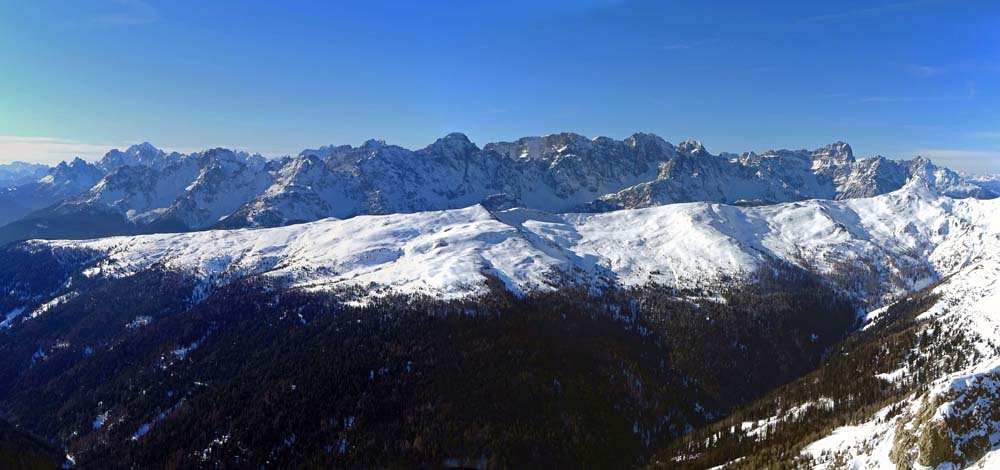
(144, 154)
(693, 148)
(568, 140)
(326, 150)
(304, 166)
(542, 147)
(228, 155)
(74, 166)
(454, 145)
(525, 148)
(374, 144)
(456, 137)
(749, 159)
(305, 161)
(837, 153)
(17, 173)
(557, 173)
(648, 142)
(144, 147)
(78, 174)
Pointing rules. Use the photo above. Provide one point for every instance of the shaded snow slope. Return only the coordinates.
(878, 249)
(956, 423)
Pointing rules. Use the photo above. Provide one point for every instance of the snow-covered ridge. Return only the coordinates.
(905, 240)
(899, 242)
(989, 182)
(956, 423)
(17, 173)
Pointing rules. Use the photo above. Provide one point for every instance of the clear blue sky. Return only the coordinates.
(895, 78)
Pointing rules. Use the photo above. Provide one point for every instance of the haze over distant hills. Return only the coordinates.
(18, 173)
(143, 189)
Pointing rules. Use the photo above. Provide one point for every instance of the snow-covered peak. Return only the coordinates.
(946, 181)
(144, 147)
(835, 154)
(546, 148)
(989, 182)
(454, 145)
(456, 136)
(373, 144)
(922, 186)
(556, 173)
(325, 151)
(693, 148)
(76, 172)
(144, 154)
(18, 173)
(650, 143)
(983, 177)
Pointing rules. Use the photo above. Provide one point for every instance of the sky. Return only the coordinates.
(899, 78)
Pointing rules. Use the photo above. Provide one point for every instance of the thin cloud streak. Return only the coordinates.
(690, 45)
(983, 134)
(863, 12)
(52, 150)
(835, 95)
(908, 99)
(926, 71)
(970, 94)
(132, 12)
(48, 149)
(947, 153)
(969, 161)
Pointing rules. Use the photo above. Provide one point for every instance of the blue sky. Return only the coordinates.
(895, 78)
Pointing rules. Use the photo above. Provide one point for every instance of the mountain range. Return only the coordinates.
(907, 239)
(660, 305)
(145, 190)
(18, 173)
(989, 182)
(880, 251)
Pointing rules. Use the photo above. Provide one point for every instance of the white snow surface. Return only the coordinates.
(967, 396)
(969, 304)
(912, 236)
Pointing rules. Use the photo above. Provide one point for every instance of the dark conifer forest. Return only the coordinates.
(153, 371)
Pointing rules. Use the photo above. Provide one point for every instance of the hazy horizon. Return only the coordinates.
(96, 153)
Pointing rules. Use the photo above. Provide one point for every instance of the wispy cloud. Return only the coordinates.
(53, 150)
(970, 93)
(48, 149)
(908, 99)
(688, 45)
(128, 12)
(925, 71)
(864, 12)
(970, 161)
(956, 154)
(983, 134)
